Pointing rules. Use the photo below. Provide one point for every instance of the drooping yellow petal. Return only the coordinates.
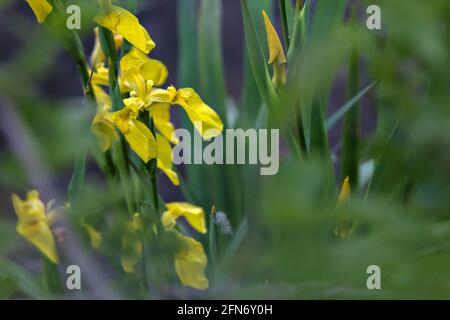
(161, 117)
(276, 53)
(139, 137)
(201, 115)
(345, 191)
(94, 235)
(123, 22)
(190, 264)
(33, 224)
(193, 214)
(149, 69)
(41, 9)
(164, 162)
(102, 124)
(103, 99)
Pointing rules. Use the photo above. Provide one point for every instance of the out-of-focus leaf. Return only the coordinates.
(341, 111)
(26, 281)
(210, 55)
(257, 60)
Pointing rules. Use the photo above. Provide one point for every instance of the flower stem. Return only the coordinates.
(153, 177)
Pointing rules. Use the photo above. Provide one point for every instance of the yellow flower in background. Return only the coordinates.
(190, 263)
(103, 124)
(123, 22)
(34, 224)
(193, 214)
(276, 53)
(344, 224)
(41, 9)
(164, 162)
(132, 244)
(149, 69)
(95, 236)
(97, 55)
(137, 134)
(345, 191)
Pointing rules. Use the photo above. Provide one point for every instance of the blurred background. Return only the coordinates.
(283, 244)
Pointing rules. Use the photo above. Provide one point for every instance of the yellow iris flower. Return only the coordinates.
(140, 63)
(137, 134)
(95, 236)
(103, 124)
(193, 214)
(201, 115)
(344, 225)
(41, 9)
(190, 259)
(34, 224)
(190, 263)
(276, 53)
(123, 22)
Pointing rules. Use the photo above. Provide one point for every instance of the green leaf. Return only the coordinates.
(351, 134)
(187, 44)
(237, 240)
(251, 102)
(26, 281)
(257, 60)
(77, 180)
(327, 14)
(212, 78)
(340, 112)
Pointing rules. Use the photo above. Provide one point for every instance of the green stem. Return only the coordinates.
(284, 24)
(153, 177)
(298, 6)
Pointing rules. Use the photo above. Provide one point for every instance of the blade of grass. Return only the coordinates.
(340, 112)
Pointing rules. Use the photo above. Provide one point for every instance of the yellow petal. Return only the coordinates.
(100, 76)
(104, 131)
(193, 214)
(94, 235)
(201, 115)
(345, 191)
(123, 22)
(276, 53)
(164, 162)
(132, 252)
(190, 264)
(161, 117)
(139, 137)
(102, 98)
(33, 224)
(162, 96)
(102, 124)
(41, 9)
(136, 82)
(150, 69)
